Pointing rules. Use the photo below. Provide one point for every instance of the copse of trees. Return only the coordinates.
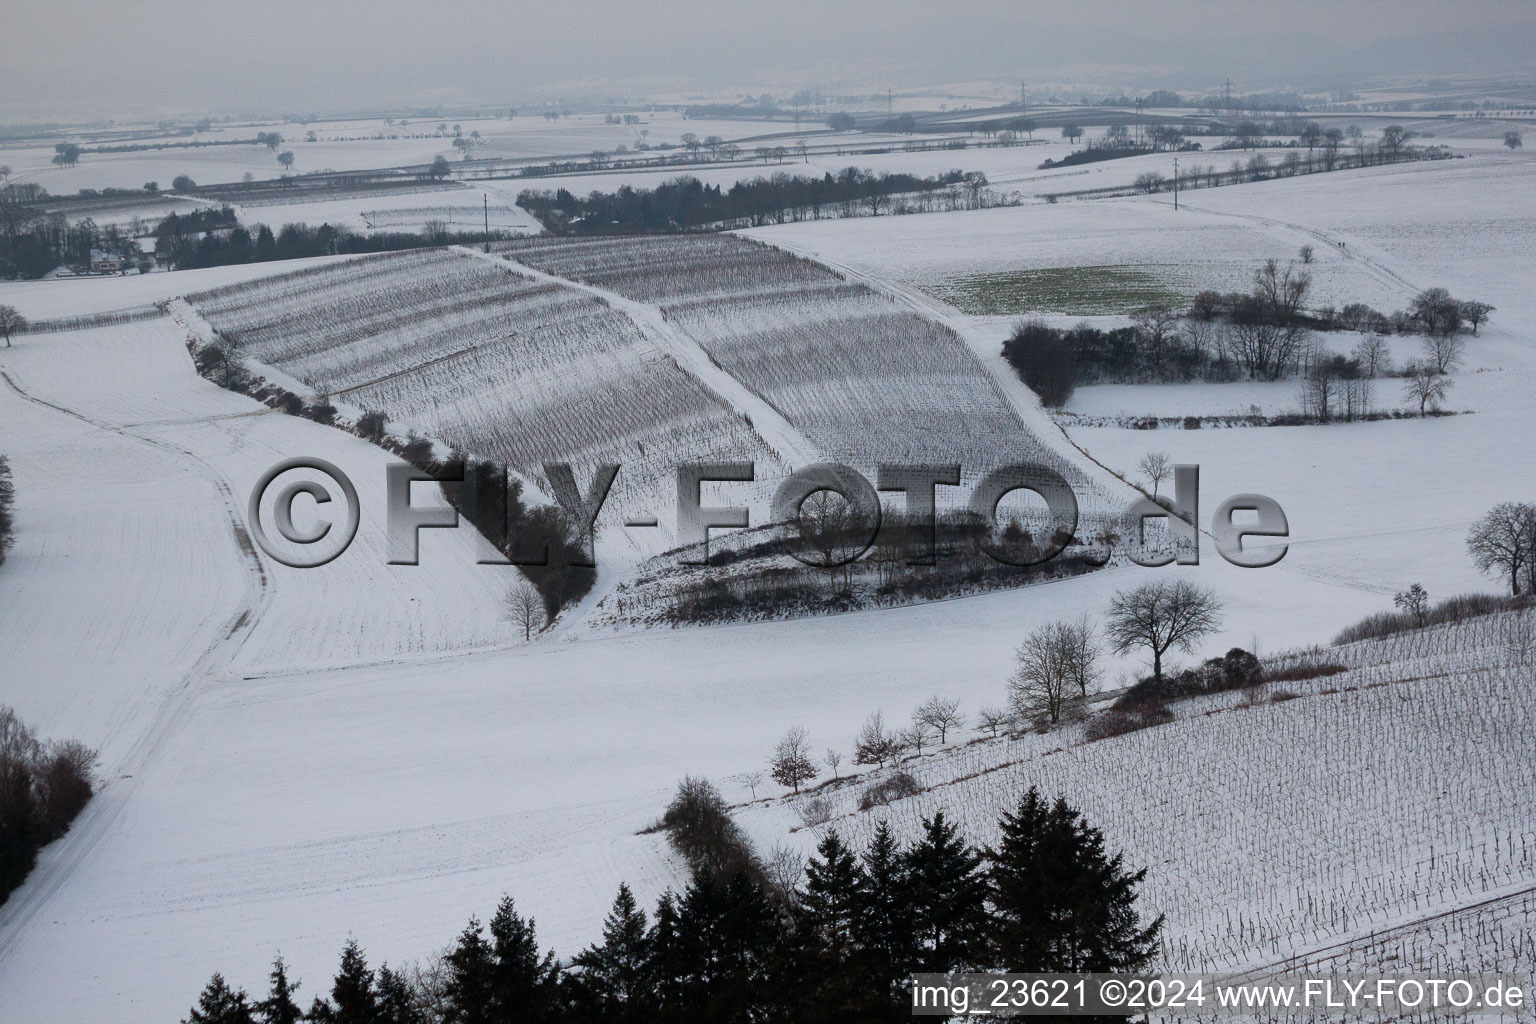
(7, 507)
(190, 248)
(841, 943)
(688, 204)
(43, 786)
(1264, 334)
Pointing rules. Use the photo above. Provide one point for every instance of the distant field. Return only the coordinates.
(1082, 291)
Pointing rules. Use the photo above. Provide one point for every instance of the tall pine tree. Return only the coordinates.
(1058, 902)
(948, 891)
(839, 980)
(613, 980)
(885, 925)
(524, 985)
(468, 988)
(279, 1007)
(352, 992)
(220, 1004)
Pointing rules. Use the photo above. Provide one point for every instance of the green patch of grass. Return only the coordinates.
(1080, 291)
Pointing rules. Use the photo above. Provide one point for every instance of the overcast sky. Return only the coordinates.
(116, 57)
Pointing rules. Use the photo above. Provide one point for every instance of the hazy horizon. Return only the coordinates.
(228, 58)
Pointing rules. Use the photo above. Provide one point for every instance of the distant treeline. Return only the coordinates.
(687, 203)
(191, 250)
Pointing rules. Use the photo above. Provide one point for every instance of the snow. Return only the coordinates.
(295, 756)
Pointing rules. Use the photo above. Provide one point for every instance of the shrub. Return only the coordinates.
(897, 787)
(1452, 609)
(321, 412)
(816, 811)
(1118, 721)
(700, 829)
(1303, 670)
(1044, 360)
(371, 425)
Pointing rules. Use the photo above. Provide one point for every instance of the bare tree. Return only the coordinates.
(832, 760)
(1437, 311)
(1514, 140)
(1520, 637)
(1394, 139)
(1306, 254)
(942, 713)
(753, 779)
(992, 719)
(1373, 355)
(915, 736)
(1162, 617)
(790, 764)
(874, 745)
(1154, 332)
(1155, 466)
(1415, 602)
(1504, 542)
(1042, 688)
(525, 607)
(11, 322)
(1426, 385)
(1267, 331)
(1444, 351)
(1080, 648)
(785, 868)
(1475, 313)
(829, 527)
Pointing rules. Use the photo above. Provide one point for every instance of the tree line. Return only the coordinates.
(837, 940)
(1266, 333)
(688, 204)
(34, 242)
(189, 250)
(7, 498)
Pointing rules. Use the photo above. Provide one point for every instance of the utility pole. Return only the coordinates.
(485, 205)
(1139, 139)
(1023, 97)
(1175, 183)
(889, 107)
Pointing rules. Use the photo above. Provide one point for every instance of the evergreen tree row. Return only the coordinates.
(841, 947)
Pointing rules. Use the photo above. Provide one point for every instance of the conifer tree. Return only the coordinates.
(352, 992)
(220, 1004)
(614, 983)
(396, 1003)
(837, 970)
(947, 889)
(1058, 902)
(524, 986)
(470, 967)
(722, 952)
(884, 928)
(279, 1006)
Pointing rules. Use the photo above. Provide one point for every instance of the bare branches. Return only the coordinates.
(1162, 617)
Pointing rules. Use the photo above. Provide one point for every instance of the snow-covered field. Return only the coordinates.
(294, 756)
